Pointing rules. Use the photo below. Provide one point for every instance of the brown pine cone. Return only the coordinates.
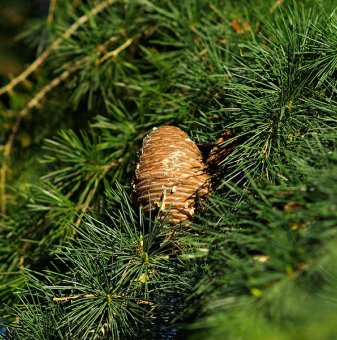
(170, 174)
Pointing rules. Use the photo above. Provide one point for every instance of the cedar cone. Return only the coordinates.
(170, 174)
(219, 152)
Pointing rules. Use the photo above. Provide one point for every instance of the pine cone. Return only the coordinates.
(170, 174)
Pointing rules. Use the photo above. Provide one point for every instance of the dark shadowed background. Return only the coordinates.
(14, 15)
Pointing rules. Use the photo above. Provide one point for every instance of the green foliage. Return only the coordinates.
(79, 260)
(268, 248)
(118, 274)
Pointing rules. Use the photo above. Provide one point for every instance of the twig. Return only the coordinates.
(115, 52)
(144, 302)
(91, 296)
(51, 12)
(72, 29)
(277, 4)
(74, 297)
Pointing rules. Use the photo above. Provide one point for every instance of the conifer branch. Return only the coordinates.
(72, 29)
(34, 102)
(266, 237)
(31, 104)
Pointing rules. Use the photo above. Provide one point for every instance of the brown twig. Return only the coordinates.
(91, 296)
(51, 11)
(74, 297)
(115, 52)
(277, 4)
(144, 302)
(72, 29)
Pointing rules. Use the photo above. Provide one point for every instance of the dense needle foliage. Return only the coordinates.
(79, 260)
